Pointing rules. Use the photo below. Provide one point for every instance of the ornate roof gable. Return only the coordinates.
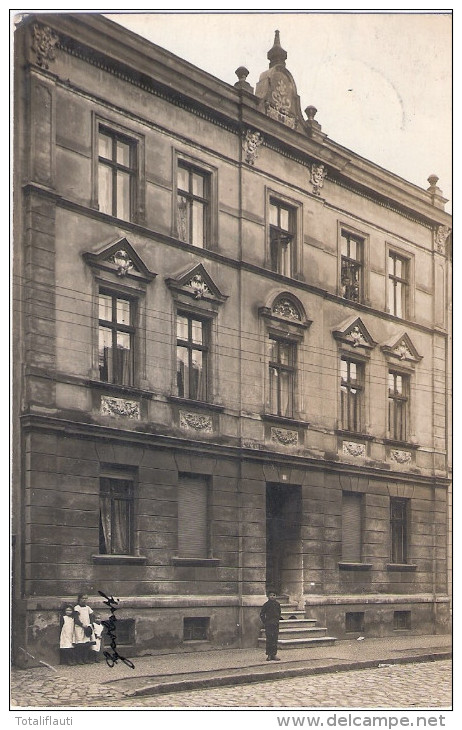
(277, 91)
(198, 284)
(354, 332)
(401, 349)
(121, 259)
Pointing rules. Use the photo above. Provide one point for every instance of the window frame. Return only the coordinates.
(295, 231)
(290, 369)
(393, 399)
(408, 303)
(130, 519)
(210, 175)
(207, 559)
(347, 231)
(355, 263)
(116, 327)
(136, 143)
(190, 346)
(345, 425)
(400, 556)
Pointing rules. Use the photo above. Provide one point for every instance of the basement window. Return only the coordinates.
(124, 630)
(354, 622)
(401, 620)
(196, 628)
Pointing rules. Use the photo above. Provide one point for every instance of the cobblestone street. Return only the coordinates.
(423, 685)
(406, 686)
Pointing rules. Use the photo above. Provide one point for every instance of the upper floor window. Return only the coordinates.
(282, 370)
(399, 530)
(282, 237)
(398, 284)
(398, 405)
(351, 392)
(116, 516)
(116, 338)
(117, 167)
(352, 251)
(192, 348)
(193, 201)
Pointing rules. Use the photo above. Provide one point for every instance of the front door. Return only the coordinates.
(283, 544)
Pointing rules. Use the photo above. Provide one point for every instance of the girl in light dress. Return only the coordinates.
(83, 630)
(67, 637)
(97, 632)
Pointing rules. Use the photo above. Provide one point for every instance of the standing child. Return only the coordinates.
(270, 615)
(67, 638)
(83, 629)
(97, 632)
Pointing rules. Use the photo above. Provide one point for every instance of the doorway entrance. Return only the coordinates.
(284, 558)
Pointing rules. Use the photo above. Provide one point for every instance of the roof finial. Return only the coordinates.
(277, 55)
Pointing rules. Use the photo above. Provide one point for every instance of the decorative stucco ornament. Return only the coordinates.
(401, 457)
(284, 436)
(441, 237)
(43, 44)
(119, 407)
(318, 173)
(123, 262)
(353, 449)
(403, 351)
(285, 308)
(357, 337)
(195, 422)
(199, 286)
(251, 142)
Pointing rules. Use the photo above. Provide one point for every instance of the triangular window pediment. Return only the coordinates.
(121, 259)
(402, 349)
(198, 284)
(354, 332)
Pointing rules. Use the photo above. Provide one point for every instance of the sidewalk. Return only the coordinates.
(99, 685)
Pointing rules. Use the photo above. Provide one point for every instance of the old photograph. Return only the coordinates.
(231, 362)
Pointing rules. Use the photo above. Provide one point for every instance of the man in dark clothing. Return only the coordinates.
(270, 615)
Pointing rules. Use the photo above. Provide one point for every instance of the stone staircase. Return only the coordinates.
(297, 631)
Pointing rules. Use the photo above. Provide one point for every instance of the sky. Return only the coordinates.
(382, 82)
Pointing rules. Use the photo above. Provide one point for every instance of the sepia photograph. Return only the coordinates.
(231, 366)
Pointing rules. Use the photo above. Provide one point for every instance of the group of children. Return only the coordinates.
(81, 630)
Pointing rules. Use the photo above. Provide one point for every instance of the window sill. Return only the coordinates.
(402, 444)
(119, 389)
(355, 566)
(354, 434)
(119, 559)
(195, 403)
(199, 562)
(283, 420)
(404, 567)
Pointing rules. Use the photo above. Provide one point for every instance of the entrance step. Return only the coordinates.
(301, 643)
(297, 631)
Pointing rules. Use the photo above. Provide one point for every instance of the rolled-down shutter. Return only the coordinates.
(351, 528)
(192, 517)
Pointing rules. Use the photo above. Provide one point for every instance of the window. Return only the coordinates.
(282, 235)
(193, 530)
(354, 621)
(351, 391)
(401, 620)
(191, 356)
(196, 628)
(193, 198)
(399, 529)
(398, 281)
(398, 405)
(116, 173)
(116, 516)
(282, 368)
(125, 628)
(351, 527)
(352, 266)
(115, 338)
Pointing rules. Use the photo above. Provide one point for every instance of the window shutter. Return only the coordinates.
(192, 517)
(351, 528)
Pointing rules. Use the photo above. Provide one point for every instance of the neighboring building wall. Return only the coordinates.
(77, 431)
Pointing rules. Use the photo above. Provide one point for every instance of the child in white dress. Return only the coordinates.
(83, 616)
(67, 637)
(97, 632)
